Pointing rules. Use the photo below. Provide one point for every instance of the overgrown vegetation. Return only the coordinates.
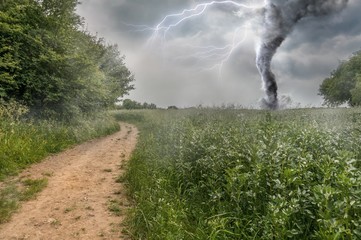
(241, 174)
(53, 66)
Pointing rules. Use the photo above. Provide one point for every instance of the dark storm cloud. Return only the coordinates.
(170, 76)
(141, 12)
(317, 46)
(317, 31)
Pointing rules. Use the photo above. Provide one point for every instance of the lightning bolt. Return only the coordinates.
(218, 55)
(227, 51)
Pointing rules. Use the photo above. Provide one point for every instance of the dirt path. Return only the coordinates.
(82, 198)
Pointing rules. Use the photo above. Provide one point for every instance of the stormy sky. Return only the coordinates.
(182, 67)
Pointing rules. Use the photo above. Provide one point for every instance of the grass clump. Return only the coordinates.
(32, 187)
(114, 206)
(9, 198)
(241, 174)
(12, 194)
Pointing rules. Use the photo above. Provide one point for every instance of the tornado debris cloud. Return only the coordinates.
(279, 19)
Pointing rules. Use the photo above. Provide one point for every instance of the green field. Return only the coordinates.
(246, 174)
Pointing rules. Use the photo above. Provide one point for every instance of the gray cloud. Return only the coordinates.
(169, 75)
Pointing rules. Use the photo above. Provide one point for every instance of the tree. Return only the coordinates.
(130, 104)
(149, 106)
(341, 87)
(117, 76)
(53, 67)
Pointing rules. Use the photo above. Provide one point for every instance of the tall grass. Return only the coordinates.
(24, 141)
(246, 174)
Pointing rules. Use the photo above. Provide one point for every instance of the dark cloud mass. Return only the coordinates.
(168, 72)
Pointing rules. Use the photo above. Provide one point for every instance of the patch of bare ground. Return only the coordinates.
(83, 200)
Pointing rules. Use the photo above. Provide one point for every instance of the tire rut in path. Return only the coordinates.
(81, 192)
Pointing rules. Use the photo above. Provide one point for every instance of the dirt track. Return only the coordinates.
(81, 190)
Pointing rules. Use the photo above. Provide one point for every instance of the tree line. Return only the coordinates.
(129, 104)
(52, 65)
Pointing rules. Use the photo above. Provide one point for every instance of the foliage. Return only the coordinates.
(356, 91)
(342, 86)
(131, 104)
(53, 67)
(241, 174)
(12, 110)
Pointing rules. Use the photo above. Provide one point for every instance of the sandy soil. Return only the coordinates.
(81, 190)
